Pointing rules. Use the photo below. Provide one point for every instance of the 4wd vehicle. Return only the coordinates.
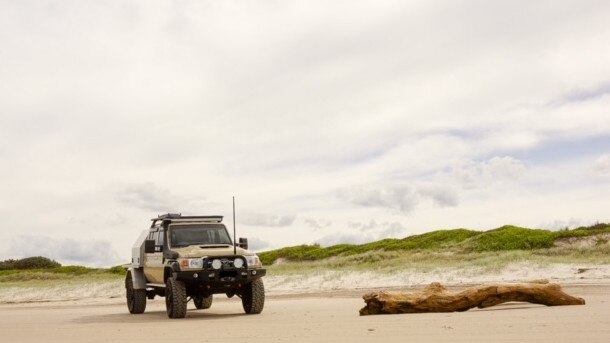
(185, 258)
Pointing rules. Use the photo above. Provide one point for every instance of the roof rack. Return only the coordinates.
(180, 217)
(168, 215)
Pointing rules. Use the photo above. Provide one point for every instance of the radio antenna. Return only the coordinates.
(234, 236)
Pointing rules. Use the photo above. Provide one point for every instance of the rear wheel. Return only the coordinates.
(202, 303)
(253, 297)
(175, 298)
(136, 298)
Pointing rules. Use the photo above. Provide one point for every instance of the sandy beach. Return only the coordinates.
(316, 317)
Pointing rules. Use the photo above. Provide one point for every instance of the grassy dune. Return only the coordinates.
(460, 248)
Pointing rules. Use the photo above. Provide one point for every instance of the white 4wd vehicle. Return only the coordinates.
(192, 258)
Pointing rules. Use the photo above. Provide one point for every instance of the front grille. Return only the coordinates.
(227, 262)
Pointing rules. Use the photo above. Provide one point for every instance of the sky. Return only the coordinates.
(330, 122)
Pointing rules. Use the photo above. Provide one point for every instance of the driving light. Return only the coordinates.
(216, 264)
(238, 263)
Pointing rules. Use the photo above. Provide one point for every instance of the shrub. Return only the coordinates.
(7, 264)
(120, 270)
(36, 262)
(512, 238)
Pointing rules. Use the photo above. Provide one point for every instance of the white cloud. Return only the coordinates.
(147, 196)
(317, 223)
(443, 196)
(114, 112)
(602, 165)
(268, 220)
(482, 174)
(364, 226)
(399, 198)
(393, 230)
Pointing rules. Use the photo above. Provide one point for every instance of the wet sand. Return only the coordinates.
(322, 317)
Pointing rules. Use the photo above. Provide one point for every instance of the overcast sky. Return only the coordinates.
(330, 121)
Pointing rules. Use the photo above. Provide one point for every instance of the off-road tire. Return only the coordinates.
(136, 298)
(253, 297)
(175, 298)
(203, 303)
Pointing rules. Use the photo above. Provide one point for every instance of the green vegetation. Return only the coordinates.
(36, 262)
(58, 273)
(455, 242)
(432, 240)
(512, 238)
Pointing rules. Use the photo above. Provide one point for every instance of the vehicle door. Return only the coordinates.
(153, 267)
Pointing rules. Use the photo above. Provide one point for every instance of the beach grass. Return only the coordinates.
(456, 241)
(489, 261)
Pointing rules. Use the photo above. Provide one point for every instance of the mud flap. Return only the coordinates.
(138, 278)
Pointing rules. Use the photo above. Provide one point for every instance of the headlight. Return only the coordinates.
(253, 261)
(191, 263)
(238, 263)
(216, 264)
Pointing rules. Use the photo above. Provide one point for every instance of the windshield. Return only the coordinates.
(198, 234)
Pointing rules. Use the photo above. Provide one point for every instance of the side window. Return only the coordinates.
(155, 237)
(160, 237)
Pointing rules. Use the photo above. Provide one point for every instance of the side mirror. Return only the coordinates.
(243, 243)
(149, 246)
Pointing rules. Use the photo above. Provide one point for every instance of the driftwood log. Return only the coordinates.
(436, 298)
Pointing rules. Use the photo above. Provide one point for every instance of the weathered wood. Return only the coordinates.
(436, 298)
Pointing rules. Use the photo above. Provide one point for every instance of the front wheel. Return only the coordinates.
(136, 298)
(203, 303)
(253, 297)
(175, 298)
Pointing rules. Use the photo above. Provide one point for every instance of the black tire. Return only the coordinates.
(175, 298)
(253, 297)
(136, 298)
(203, 303)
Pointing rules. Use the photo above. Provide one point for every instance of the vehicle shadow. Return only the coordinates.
(151, 316)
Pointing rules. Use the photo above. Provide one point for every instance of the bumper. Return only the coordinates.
(220, 277)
